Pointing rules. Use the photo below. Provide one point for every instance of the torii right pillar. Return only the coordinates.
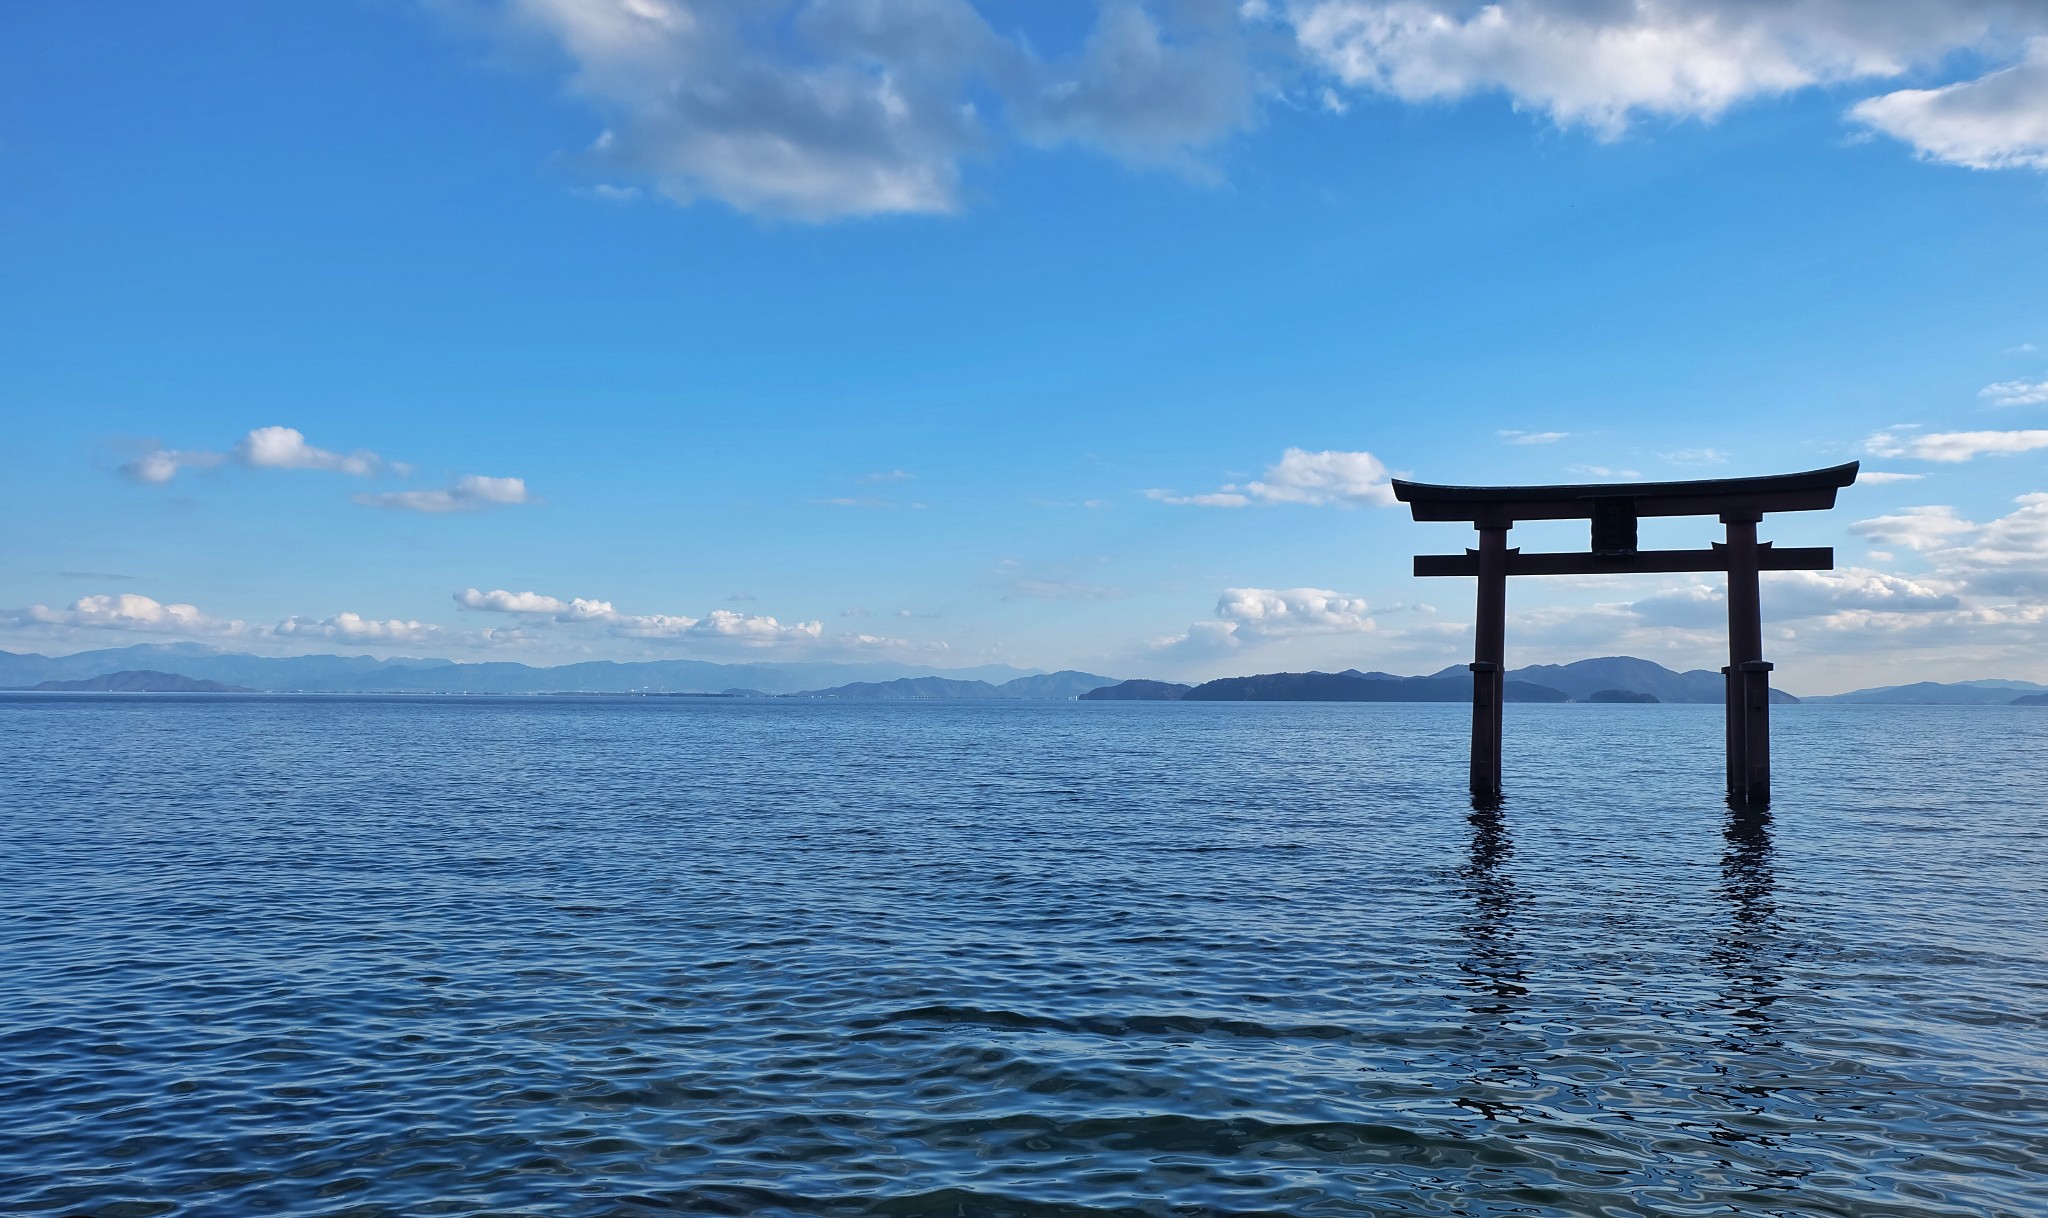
(1748, 675)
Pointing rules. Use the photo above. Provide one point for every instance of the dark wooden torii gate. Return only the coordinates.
(1613, 509)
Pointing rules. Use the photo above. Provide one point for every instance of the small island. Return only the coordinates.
(139, 681)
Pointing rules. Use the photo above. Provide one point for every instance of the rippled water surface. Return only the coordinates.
(323, 956)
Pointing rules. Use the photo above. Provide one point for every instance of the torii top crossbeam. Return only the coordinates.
(1614, 509)
(1813, 490)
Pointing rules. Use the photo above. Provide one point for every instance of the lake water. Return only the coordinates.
(556, 956)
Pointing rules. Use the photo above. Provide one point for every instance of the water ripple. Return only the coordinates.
(609, 957)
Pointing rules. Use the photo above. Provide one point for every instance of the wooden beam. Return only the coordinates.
(1811, 490)
(1643, 562)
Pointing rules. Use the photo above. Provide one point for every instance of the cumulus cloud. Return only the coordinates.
(1247, 617)
(1953, 446)
(1916, 528)
(1797, 595)
(2005, 557)
(1997, 121)
(1348, 479)
(286, 448)
(753, 627)
(355, 628)
(1602, 65)
(137, 614)
(470, 493)
(131, 612)
(1270, 613)
(820, 109)
(824, 109)
(721, 624)
(1879, 477)
(498, 600)
(261, 448)
(2015, 393)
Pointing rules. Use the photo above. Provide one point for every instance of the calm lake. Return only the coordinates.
(631, 956)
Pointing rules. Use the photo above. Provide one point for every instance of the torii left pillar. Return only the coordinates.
(1748, 676)
(1489, 659)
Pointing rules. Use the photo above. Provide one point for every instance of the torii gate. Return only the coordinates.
(1614, 509)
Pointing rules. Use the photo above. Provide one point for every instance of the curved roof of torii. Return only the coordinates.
(1811, 490)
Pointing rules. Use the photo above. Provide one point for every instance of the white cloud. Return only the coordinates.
(498, 600)
(1953, 446)
(1916, 528)
(1879, 477)
(2005, 557)
(1602, 471)
(160, 465)
(754, 627)
(1344, 478)
(745, 629)
(1797, 595)
(1696, 456)
(1247, 617)
(822, 109)
(471, 492)
(894, 475)
(1347, 478)
(1270, 613)
(261, 448)
(1997, 121)
(131, 612)
(286, 448)
(1532, 437)
(136, 614)
(750, 629)
(1604, 63)
(2015, 393)
(355, 628)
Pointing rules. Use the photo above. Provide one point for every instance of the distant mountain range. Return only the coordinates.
(367, 674)
(1607, 679)
(1934, 693)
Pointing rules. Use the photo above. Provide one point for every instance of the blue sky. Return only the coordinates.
(1062, 335)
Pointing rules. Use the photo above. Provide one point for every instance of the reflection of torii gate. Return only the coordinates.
(1614, 509)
